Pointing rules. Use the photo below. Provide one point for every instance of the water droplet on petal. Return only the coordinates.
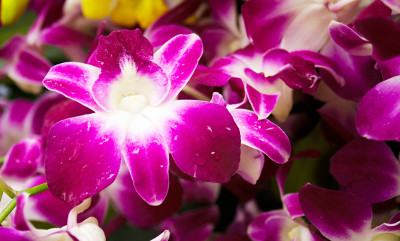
(211, 133)
(215, 156)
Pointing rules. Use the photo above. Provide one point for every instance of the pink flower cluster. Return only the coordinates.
(257, 120)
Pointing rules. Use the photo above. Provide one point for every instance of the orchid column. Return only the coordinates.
(137, 118)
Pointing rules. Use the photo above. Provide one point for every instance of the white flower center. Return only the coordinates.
(133, 103)
(132, 92)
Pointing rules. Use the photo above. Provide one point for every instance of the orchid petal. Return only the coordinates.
(146, 155)
(270, 226)
(178, 58)
(251, 164)
(164, 236)
(393, 4)
(262, 135)
(262, 104)
(368, 169)
(265, 25)
(337, 215)
(29, 70)
(349, 40)
(74, 80)
(23, 158)
(90, 144)
(378, 113)
(292, 205)
(304, 32)
(204, 192)
(214, 154)
(11, 47)
(163, 34)
(59, 35)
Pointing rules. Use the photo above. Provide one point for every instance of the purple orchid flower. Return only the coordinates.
(343, 216)
(257, 137)
(132, 92)
(291, 25)
(269, 78)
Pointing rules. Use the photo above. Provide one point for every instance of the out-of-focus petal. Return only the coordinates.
(83, 155)
(337, 215)
(205, 192)
(273, 225)
(29, 70)
(75, 81)
(23, 158)
(163, 34)
(59, 35)
(214, 154)
(368, 169)
(378, 113)
(178, 58)
(135, 209)
(264, 25)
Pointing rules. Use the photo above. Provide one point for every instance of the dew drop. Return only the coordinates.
(211, 133)
(201, 162)
(215, 156)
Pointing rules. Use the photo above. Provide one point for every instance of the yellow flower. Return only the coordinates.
(125, 12)
(11, 10)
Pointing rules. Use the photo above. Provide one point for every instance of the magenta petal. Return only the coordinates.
(196, 225)
(12, 234)
(178, 58)
(74, 80)
(378, 113)
(82, 157)
(203, 139)
(11, 47)
(337, 215)
(349, 40)
(119, 43)
(262, 135)
(23, 158)
(368, 169)
(209, 76)
(30, 68)
(161, 35)
(273, 225)
(265, 24)
(59, 35)
(146, 155)
(262, 104)
(292, 205)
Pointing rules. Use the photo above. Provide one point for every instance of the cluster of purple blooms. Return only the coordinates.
(263, 120)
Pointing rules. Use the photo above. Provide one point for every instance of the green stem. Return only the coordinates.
(7, 189)
(195, 93)
(30, 191)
